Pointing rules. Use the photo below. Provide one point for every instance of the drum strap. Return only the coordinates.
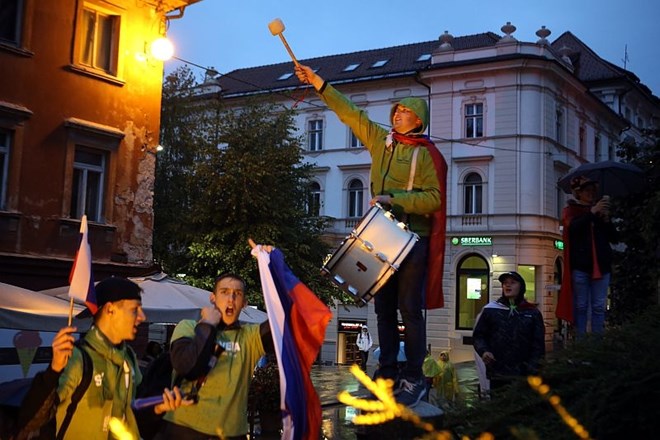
(413, 166)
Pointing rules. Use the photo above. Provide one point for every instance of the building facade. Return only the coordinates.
(79, 127)
(510, 117)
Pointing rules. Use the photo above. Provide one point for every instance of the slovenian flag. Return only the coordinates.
(297, 321)
(81, 281)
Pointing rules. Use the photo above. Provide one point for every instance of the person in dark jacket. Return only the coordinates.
(509, 336)
(588, 233)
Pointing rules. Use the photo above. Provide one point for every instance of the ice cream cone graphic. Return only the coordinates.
(25, 355)
(26, 343)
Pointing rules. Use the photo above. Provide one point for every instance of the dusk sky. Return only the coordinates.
(229, 35)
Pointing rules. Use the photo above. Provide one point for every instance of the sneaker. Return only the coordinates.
(411, 393)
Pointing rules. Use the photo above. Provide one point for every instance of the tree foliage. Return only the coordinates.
(600, 381)
(636, 277)
(233, 174)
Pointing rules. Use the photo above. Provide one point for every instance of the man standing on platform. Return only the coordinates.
(408, 176)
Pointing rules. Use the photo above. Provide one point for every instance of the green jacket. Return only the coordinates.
(390, 167)
(110, 392)
(223, 398)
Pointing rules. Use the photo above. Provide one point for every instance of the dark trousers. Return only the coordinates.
(364, 357)
(405, 291)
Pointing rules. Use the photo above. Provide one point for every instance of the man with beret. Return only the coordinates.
(115, 371)
(408, 175)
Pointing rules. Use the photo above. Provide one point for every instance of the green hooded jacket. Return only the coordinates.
(390, 160)
(110, 393)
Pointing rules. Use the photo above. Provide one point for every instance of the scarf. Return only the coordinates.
(436, 258)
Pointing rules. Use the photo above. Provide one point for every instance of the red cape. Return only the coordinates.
(436, 258)
(565, 302)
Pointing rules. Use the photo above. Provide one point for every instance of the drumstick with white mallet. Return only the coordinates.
(276, 27)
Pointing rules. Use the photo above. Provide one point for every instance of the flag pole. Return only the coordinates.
(70, 311)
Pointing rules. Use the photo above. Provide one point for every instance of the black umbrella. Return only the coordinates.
(615, 179)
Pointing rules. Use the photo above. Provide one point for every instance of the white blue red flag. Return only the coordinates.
(298, 320)
(81, 280)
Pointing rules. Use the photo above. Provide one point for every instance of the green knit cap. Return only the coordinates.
(421, 109)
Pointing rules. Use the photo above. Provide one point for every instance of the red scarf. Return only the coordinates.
(436, 259)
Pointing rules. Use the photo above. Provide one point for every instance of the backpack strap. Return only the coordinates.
(79, 392)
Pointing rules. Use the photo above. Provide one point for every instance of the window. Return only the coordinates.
(87, 186)
(285, 76)
(473, 189)
(351, 67)
(355, 142)
(424, 57)
(313, 206)
(4, 166)
(315, 135)
(474, 120)
(379, 63)
(355, 198)
(11, 18)
(472, 292)
(597, 148)
(98, 38)
(582, 141)
(559, 125)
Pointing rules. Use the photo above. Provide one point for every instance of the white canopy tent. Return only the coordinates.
(167, 300)
(24, 309)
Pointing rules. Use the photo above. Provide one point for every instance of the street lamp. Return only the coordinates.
(163, 50)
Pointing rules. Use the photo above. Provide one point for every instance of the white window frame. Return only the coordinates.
(87, 186)
(354, 141)
(355, 198)
(473, 117)
(473, 195)
(315, 134)
(313, 205)
(104, 35)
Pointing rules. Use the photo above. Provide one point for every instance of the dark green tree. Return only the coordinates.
(233, 174)
(636, 276)
(182, 135)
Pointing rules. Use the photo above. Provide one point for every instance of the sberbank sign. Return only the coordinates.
(472, 241)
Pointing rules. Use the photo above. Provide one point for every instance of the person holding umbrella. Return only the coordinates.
(587, 235)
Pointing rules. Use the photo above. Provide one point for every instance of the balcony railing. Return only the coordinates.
(472, 219)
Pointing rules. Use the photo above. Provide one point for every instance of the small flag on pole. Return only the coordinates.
(298, 320)
(81, 280)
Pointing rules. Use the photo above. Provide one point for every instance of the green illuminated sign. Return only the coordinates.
(559, 244)
(476, 241)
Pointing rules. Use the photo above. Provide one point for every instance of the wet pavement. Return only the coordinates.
(337, 418)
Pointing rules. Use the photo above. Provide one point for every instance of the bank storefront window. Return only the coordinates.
(473, 290)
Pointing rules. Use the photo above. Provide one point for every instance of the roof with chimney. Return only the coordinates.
(408, 60)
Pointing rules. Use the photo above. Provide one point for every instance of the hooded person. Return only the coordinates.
(509, 335)
(364, 343)
(408, 175)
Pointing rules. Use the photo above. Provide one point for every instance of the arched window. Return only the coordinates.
(473, 193)
(314, 199)
(472, 290)
(355, 198)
